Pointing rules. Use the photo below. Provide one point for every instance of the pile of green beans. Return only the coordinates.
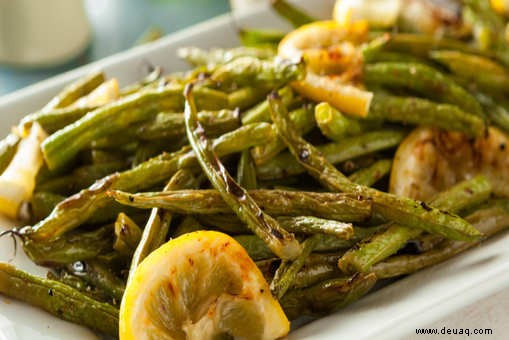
(230, 146)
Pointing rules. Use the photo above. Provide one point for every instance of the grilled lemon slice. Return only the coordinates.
(202, 285)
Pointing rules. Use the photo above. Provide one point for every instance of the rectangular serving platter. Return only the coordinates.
(392, 312)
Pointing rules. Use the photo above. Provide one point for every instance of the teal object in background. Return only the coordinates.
(116, 26)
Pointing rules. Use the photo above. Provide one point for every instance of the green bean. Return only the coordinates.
(63, 185)
(421, 44)
(326, 296)
(287, 271)
(58, 299)
(219, 56)
(97, 274)
(333, 243)
(312, 274)
(79, 284)
(158, 224)
(416, 111)
(42, 203)
(255, 247)
(292, 14)
(279, 241)
(80, 178)
(384, 56)
(227, 223)
(246, 171)
(304, 123)
(285, 164)
(389, 241)
(75, 90)
(258, 250)
(370, 175)
(496, 113)
(121, 143)
(246, 97)
(127, 235)
(89, 202)
(56, 119)
(334, 206)
(188, 225)
(8, 147)
(171, 125)
(489, 221)
(249, 71)
(96, 156)
(147, 150)
(63, 145)
(69, 248)
(317, 267)
(335, 126)
(486, 73)
(335, 235)
(423, 80)
(260, 113)
(390, 207)
(260, 38)
(314, 225)
(425, 242)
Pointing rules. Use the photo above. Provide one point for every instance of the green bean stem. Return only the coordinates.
(372, 174)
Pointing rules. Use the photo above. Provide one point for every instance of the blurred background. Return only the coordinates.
(39, 39)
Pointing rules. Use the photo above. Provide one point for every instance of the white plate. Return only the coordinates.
(392, 312)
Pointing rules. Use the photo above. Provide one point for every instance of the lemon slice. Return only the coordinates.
(202, 285)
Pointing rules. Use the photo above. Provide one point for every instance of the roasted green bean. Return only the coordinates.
(423, 80)
(285, 164)
(279, 241)
(390, 207)
(489, 221)
(58, 299)
(335, 206)
(370, 175)
(390, 240)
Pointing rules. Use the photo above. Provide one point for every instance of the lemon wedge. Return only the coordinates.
(378, 13)
(202, 285)
(501, 6)
(104, 94)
